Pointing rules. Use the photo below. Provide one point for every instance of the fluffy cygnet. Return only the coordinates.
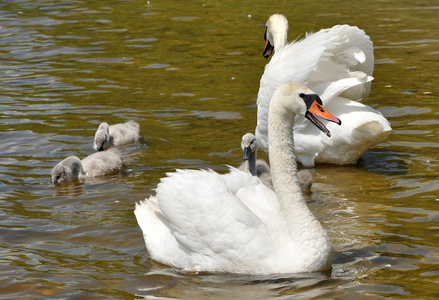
(98, 164)
(108, 136)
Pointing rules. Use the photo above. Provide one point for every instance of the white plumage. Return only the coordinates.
(108, 136)
(336, 63)
(98, 164)
(204, 221)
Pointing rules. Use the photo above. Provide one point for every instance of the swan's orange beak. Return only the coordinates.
(268, 46)
(315, 108)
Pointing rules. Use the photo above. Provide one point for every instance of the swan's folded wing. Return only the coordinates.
(237, 179)
(263, 202)
(257, 196)
(208, 220)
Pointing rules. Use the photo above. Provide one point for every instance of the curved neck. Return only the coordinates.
(281, 155)
(283, 171)
(280, 40)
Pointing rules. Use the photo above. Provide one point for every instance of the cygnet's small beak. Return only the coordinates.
(247, 152)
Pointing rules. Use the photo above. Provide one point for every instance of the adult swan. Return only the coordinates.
(337, 64)
(203, 221)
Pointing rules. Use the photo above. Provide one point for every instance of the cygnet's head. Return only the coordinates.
(102, 137)
(248, 145)
(69, 168)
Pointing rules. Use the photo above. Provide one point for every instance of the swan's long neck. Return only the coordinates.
(280, 40)
(282, 159)
(302, 224)
(278, 27)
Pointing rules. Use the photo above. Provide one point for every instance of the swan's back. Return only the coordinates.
(205, 221)
(103, 163)
(194, 207)
(125, 133)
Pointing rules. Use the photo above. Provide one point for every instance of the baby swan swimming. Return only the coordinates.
(108, 136)
(98, 164)
(258, 167)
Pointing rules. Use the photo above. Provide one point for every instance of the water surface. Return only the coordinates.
(188, 73)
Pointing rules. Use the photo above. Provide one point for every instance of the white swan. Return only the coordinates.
(115, 135)
(98, 164)
(203, 221)
(260, 168)
(336, 63)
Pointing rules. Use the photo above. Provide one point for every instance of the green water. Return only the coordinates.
(188, 73)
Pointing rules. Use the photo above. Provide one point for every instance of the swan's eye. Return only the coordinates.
(309, 99)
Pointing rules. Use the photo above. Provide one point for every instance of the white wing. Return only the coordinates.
(337, 64)
(205, 223)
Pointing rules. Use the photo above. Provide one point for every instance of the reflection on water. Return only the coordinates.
(189, 74)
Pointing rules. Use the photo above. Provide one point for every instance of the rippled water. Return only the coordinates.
(188, 73)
